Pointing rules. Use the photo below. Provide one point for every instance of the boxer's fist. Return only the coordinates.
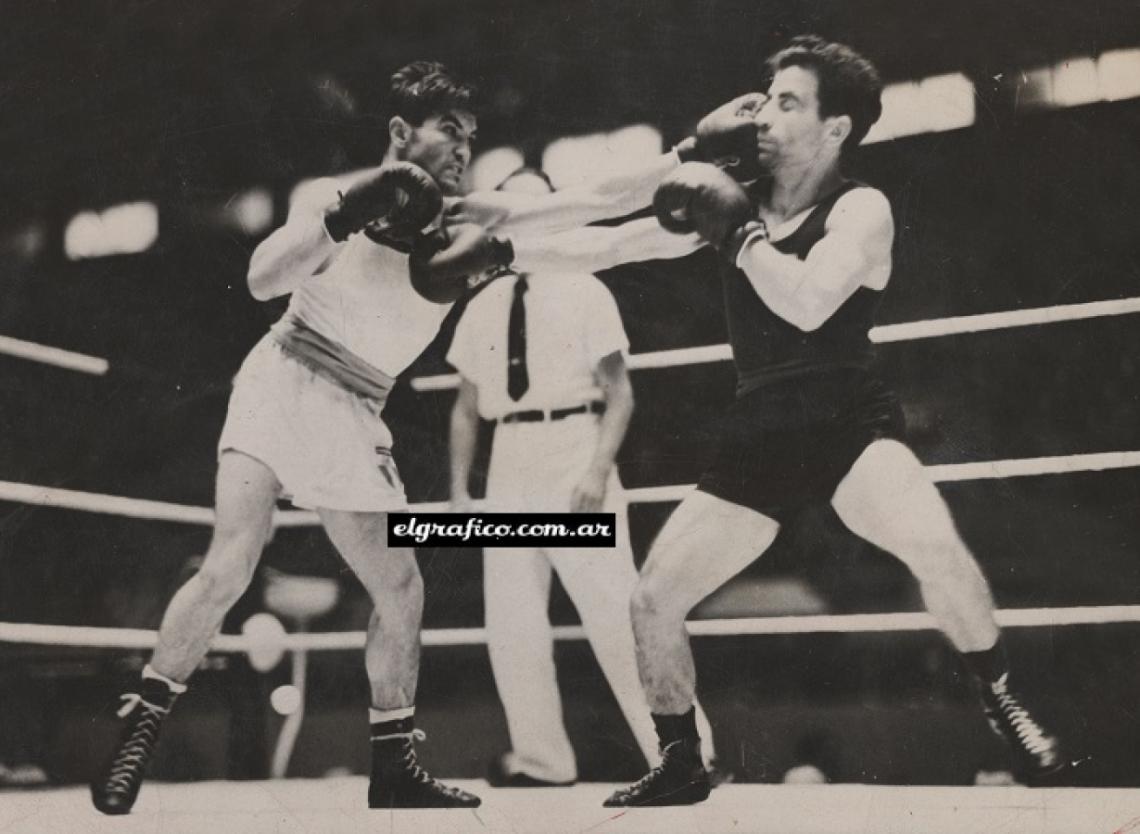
(442, 261)
(399, 195)
(728, 137)
(699, 197)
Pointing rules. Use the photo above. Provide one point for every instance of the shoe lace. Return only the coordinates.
(1029, 733)
(645, 782)
(131, 758)
(411, 764)
(415, 772)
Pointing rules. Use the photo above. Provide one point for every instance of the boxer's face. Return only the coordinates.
(441, 146)
(792, 133)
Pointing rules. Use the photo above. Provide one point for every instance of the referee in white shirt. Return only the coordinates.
(560, 396)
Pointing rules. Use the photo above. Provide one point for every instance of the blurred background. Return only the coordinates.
(148, 146)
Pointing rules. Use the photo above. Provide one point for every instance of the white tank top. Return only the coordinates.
(364, 301)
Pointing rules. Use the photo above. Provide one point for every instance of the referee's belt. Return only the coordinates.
(536, 415)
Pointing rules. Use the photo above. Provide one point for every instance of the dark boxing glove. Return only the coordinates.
(442, 261)
(727, 137)
(399, 196)
(699, 197)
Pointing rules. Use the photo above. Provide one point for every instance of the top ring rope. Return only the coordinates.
(884, 334)
(54, 356)
(903, 332)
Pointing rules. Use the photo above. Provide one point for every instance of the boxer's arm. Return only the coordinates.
(613, 377)
(507, 213)
(297, 250)
(594, 248)
(463, 434)
(854, 251)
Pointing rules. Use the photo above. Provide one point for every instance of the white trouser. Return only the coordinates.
(534, 468)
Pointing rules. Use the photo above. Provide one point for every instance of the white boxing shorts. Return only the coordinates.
(327, 446)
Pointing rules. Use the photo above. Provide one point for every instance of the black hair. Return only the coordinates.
(849, 84)
(426, 88)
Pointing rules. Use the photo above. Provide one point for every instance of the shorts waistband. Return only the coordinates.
(536, 415)
(331, 360)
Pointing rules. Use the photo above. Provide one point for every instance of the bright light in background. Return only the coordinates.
(251, 211)
(265, 633)
(1075, 83)
(899, 101)
(1112, 76)
(285, 699)
(949, 101)
(118, 230)
(931, 105)
(1119, 74)
(490, 168)
(575, 159)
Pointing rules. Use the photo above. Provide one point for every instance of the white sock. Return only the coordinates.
(149, 674)
(375, 716)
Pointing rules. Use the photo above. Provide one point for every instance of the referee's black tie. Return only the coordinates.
(517, 379)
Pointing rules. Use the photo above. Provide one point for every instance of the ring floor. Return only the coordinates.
(332, 806)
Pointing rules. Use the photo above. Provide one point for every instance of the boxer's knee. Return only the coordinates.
(229, 567)
(399, 584)
(221, 587)
(655, 599)
(943, 564)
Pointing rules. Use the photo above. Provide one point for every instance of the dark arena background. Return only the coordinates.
(149, 146)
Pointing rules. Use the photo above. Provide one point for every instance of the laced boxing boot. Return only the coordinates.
(117, 787)
(680, 779)
(398, 781)
(1038, 757)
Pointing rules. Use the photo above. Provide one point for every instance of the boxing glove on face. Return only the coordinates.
(727, 137)
(399, 195)
(700, 197)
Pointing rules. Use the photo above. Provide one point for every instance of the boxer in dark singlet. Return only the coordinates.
(806, 255)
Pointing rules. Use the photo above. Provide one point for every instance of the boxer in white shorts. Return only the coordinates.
(304, 421)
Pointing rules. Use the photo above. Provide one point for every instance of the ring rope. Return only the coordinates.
(132, 638)
(905, 331)
(883, 334)
(93, 502)
(164, 511)
(54, 356)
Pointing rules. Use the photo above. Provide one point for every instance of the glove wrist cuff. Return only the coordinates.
(752, 230)
(503, 251)
(337, 223)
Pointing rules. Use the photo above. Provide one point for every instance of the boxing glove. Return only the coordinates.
(401, 196)
(700, 197)
(727, 137)
(442, 261)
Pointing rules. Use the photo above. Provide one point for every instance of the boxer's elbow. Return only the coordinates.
(262, 277)
(261, 284)
(258, 289)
